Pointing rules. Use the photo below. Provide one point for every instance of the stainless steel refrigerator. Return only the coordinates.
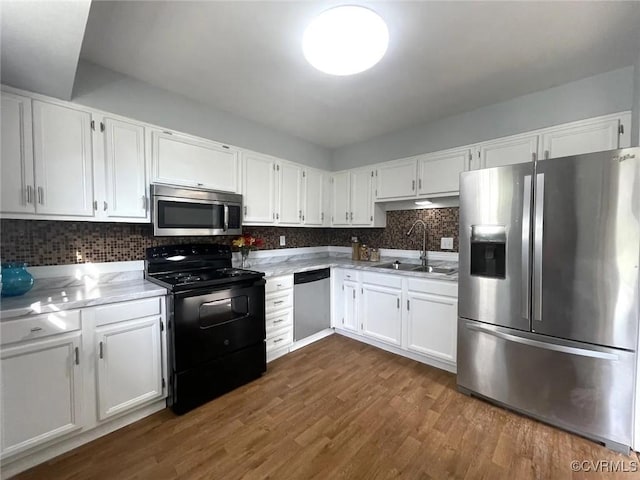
(548, 290)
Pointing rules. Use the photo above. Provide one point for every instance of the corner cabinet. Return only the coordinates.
(313, 185)
(180, 159)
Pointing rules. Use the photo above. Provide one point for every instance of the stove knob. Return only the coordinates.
(226, 342)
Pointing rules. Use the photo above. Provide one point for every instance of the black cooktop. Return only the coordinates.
(182, 267)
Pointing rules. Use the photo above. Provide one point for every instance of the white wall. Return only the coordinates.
(113, 92)
(635, 118)
(597, 95)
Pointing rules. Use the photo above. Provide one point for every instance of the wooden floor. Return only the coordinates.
(336, 409)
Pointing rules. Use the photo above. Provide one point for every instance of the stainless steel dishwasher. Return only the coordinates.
(311, 302)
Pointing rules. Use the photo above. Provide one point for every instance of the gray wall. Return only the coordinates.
(635, 119)
(598, 95)
(107, 90)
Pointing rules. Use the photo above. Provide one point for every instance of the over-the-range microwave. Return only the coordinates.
(186, 211)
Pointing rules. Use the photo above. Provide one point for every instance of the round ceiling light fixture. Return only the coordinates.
(345, 40)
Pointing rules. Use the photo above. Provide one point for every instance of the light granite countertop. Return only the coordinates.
(273, 269)
(76, 296)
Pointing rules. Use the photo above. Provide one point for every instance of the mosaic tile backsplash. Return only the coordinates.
(45, 242)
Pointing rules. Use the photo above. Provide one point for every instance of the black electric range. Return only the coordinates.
(216, 321)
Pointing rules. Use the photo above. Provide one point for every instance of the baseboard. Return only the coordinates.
(311, 338)
(433, 362)
(13, 466)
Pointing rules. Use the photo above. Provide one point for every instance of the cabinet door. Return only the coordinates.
(340, 206)
(350, 304)
(125, 170)
(63, 160)
(520, 149)
(129, 365)
(439, 174)
(290, 205)
(397, 180)
(361, 197)
(41, 392)
(313, 197)
(258, 188)
(432, 325)
(184, 160)
(17, 194)
(582, 137)
(381, 314)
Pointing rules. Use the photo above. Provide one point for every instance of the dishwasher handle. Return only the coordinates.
(312, 276)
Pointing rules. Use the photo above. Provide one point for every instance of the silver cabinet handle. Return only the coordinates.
(277, 216)
(101, 351)
(398, 301)
(300, 214)
(226, 218)
(346, 215)
(29, 194)
(41, 195)
(245, 210)
(36, 329)
(526, 233)
(352, 216)
(280, 320)
(273, 215)
(278, 302)
(413, 185)
(278, 340)
(408, 306)
(77, 355)
(537, 247)
(322, 216)
(420, 183)
(279, 285)
(104, 205)
(354, 293)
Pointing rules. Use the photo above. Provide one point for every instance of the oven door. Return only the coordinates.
(214, 324)
(187, 216)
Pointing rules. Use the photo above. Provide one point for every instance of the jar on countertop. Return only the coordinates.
(364, 252)
(374, 255)
(15, 279)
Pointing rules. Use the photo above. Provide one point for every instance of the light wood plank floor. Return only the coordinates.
(333, 410)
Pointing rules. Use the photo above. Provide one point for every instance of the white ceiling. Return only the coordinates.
(444, 58)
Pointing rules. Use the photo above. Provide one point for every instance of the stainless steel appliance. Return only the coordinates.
(184, 211)
(548, 290)
(311, 302)
(215, 321)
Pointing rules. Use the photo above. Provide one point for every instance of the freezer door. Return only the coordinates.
(582, 388)
(494, 270)
(587, 248)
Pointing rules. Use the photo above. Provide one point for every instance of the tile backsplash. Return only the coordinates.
(47, 242)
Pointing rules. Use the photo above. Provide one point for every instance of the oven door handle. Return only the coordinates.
(226, 217)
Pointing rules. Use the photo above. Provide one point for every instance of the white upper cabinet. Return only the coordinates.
(605, 133)
(184, 160)
(290, 186)
(507, 151)
(17, 186)
(125, 170)
(258, 188)
(361, 213)
(340, 193)
(439, 173)
(63, 160)
(313, 188)
(397, 180)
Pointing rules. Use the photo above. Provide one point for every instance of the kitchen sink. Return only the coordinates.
(412, 267)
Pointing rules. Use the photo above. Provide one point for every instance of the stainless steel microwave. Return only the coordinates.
(185, 211)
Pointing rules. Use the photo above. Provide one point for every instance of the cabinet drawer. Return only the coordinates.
(279, 301)
(118, 312)
(282, 338)
(276, 284)
(391, 281)
(436, 287)
(39, 326)
(279, 320)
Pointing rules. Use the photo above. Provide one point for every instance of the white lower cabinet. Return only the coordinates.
(412, 316)
(51, 394)
(129, 365)
(41, 391)
(278, 315)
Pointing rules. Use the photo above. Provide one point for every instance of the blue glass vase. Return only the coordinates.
(15, 279)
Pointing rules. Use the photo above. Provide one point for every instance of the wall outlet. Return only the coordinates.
(283, 242)
(446, 243)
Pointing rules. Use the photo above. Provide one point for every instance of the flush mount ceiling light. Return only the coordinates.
(345, 40)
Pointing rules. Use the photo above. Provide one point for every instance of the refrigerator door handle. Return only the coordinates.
(537, 248)
(538, 344)
(526, 246)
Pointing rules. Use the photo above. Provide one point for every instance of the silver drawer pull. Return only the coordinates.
(278, 321)
(278, 340)
(278, 302)
(36, 329)
(279, 285)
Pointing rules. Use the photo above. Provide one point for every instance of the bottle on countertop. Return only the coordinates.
(355, 249)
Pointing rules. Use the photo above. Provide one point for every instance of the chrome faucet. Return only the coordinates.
(423, 256)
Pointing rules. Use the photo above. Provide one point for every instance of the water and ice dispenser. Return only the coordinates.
(488, 250)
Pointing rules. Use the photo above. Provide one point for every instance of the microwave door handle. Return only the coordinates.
(226, 218)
